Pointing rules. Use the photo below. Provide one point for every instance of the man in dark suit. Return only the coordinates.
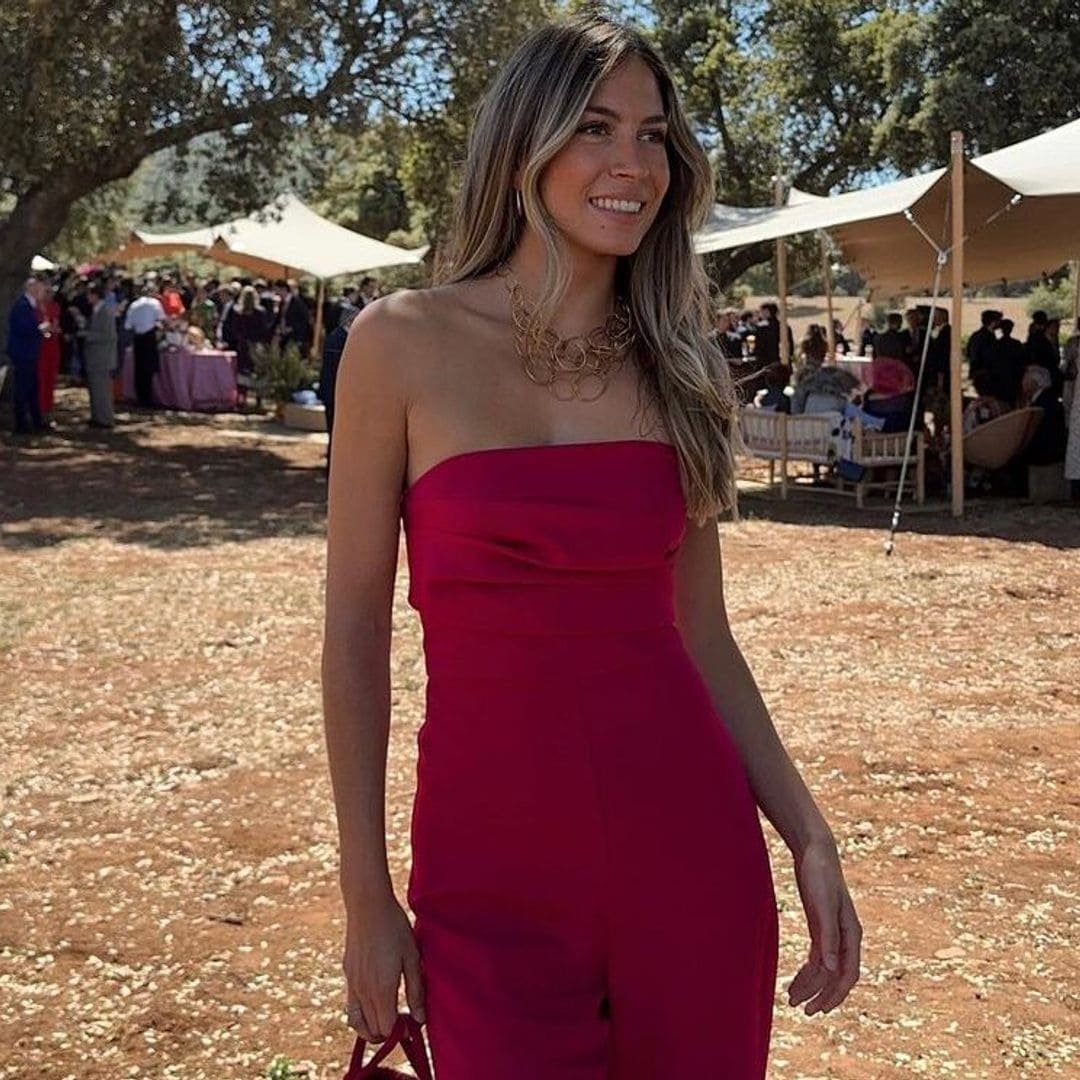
(938, 362)
(333, 347)
(769, 370)
(767, 336)
(294, 319)
(894, 341)
(980, 346)
(23, 347)
(917, 330)
(1005, 368)
(1042, 352)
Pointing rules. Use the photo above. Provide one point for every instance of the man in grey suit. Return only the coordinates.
(100, 357)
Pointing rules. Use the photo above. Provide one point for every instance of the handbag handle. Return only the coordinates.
(406, 1033)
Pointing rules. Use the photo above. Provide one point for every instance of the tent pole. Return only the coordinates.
(956, 402)
(826, 271)
(781, 277)
(316, 347)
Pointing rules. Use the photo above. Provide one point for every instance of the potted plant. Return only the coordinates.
(280, 372)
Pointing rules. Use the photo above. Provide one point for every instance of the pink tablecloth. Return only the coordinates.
(198, 380)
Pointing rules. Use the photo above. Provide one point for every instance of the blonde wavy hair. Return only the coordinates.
(530, 111)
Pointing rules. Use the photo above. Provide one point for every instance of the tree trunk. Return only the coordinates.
(11, 280)
(37, 219)
(723, 267)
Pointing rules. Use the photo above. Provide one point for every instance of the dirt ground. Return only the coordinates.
(168, 899)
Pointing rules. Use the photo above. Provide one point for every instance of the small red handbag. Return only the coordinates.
(406, 1033)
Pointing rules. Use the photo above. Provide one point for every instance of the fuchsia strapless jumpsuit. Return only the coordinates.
(590, 884)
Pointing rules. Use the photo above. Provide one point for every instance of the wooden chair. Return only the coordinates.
(876, 449)
(775, 436)
(994, 444)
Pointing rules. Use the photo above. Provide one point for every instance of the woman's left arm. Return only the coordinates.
(833, 964)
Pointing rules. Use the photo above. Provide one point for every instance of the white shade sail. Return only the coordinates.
(1022, 213)
(141, 244)
(1046, 165)
(294, 240)
(725, 222)
(284, 239)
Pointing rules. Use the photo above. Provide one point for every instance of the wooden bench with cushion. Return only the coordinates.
(808, 437)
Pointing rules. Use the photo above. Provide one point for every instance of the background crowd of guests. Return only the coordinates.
(1008, 374)
(1004, 372)
(81, 325)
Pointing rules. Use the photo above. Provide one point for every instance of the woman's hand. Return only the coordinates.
(832, 968)
(379, 948)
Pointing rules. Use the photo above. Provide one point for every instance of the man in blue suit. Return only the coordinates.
(24, 344)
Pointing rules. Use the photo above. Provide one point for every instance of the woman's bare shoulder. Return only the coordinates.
(414, 319)
(415, 340)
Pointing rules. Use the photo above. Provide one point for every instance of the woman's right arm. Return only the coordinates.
(367, 472)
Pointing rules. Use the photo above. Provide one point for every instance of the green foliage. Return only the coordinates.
(96, 223)
(878, 314)
(363, 190)
(998, 72)
(792, 87)
(250, 71)
(281, 372)
(89, 90)
(481, 36)
(1055, 298)
(282, 1068)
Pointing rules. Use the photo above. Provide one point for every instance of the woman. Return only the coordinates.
(49, 356)
(590, 884)
(248, 326)
(814, 348)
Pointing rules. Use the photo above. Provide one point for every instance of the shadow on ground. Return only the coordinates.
(174, 480)
(166, 480)
(1056, 525)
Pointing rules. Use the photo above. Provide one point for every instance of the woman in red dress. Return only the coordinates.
(49, 357)
(552, 425)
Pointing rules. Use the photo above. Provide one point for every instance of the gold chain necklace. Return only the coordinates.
(566, 365)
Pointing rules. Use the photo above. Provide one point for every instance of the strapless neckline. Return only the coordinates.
(455, 460)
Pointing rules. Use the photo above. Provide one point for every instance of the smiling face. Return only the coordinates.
(605, 186)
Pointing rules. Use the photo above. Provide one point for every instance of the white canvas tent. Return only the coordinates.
(724, 220)
(286, 238)
(292, 240)
(141, 244)
(1013, 213)
(1021, 210)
